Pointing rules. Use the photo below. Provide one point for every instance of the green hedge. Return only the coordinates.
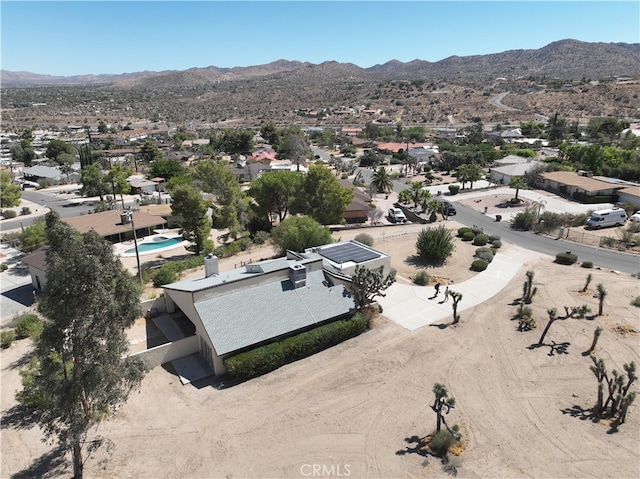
(479, 265)
(581, 197)
(453, 189)
(264, 359)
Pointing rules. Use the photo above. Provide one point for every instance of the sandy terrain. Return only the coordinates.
(352, 410)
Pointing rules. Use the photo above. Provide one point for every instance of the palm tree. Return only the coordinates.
(416, 191)
(382, 180)
(474, 173)
(462, 174)
(517, 182)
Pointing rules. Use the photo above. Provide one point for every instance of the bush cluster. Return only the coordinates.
(28, 326)
(364, 238)
(566, 258)
(479, 265)
(422, 278)
(8, 214)
(6, 338)
(463, 230)
(480, 239)
(485, 254)
(453, 189)
(264, 359)
(587, 264)
(468, 236)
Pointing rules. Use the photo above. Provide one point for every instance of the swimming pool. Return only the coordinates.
(154, 243)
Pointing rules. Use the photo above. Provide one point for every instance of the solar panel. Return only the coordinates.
(345, 252)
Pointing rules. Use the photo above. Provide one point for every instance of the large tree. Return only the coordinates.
(187, 202)
(10, 193)
(80, 372)
(117, 178)
(276, 192)
(324, 199)
(297, 233)
(60, 151)
(93, 181)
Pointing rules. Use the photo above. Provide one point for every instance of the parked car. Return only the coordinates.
(635, 217)
(397, 215)
(448, 209)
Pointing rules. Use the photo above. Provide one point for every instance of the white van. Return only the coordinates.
(604, 218)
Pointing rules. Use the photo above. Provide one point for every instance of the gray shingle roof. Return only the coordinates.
(244, 318)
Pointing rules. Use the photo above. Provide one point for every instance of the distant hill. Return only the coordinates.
(565, 59)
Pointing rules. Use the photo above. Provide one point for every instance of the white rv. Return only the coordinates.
(604, 218)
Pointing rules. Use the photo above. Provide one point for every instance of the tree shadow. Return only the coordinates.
(49, 465)
(22, 360)
(554, 348)
(579, 412)
(19, 417)
(441, 325)
(413, 447)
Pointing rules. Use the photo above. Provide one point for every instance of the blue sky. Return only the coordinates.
(83, 37)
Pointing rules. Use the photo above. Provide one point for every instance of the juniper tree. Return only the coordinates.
(80, 372)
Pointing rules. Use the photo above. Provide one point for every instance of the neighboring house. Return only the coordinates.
(510, 167)
(240, 309)
(184, 156)
(53, 174)
(359, 210)
(36, 261)
(109, 225)
(579, 186)
(140, 185)
(630, 194)
(249, 171)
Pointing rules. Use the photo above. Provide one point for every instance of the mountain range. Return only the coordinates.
(564, 60)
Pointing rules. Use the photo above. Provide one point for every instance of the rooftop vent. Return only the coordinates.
(298, 275)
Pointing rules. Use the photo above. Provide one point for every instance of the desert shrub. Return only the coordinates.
(493, 249)
(453, 189)
(4, 267)
(28, 326)
(25, 211)
(463, 230)
(441, 442)
(468, 236)
(422, 278)
(493, 238)
(566, 258)
(587, 264)
(477, 230)
(6, 338)
(524, 220)
(452, 464)
(244, 243)
(607, 241)
(364, 238)
(479, 265)
(633, 227)
(636, 301)
(480, 240)
(484, 254)
(9, 214)
(435, 244)
(261, 237)
(165, 275)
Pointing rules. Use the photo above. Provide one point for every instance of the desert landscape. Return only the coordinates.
(358, 409)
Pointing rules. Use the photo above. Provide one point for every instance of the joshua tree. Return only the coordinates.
(602, 293)
(456, 299)
(573, 312)
(528, 291)
(442, 404)
(619, 397)
(586, 285)
(596, 336)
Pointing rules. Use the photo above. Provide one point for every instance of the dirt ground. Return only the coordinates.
(355, 410)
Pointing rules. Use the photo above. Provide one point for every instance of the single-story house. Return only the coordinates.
(110, 226)
(37, 264)
(359, 210)
(54, 174)
(139, 184)
(630, 194)
(259, 303)
(504, 173)
(572, 184)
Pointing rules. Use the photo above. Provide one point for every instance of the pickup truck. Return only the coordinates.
(397, 216)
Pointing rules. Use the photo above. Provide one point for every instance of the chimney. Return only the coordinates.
(298, 275)
(210, 265)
